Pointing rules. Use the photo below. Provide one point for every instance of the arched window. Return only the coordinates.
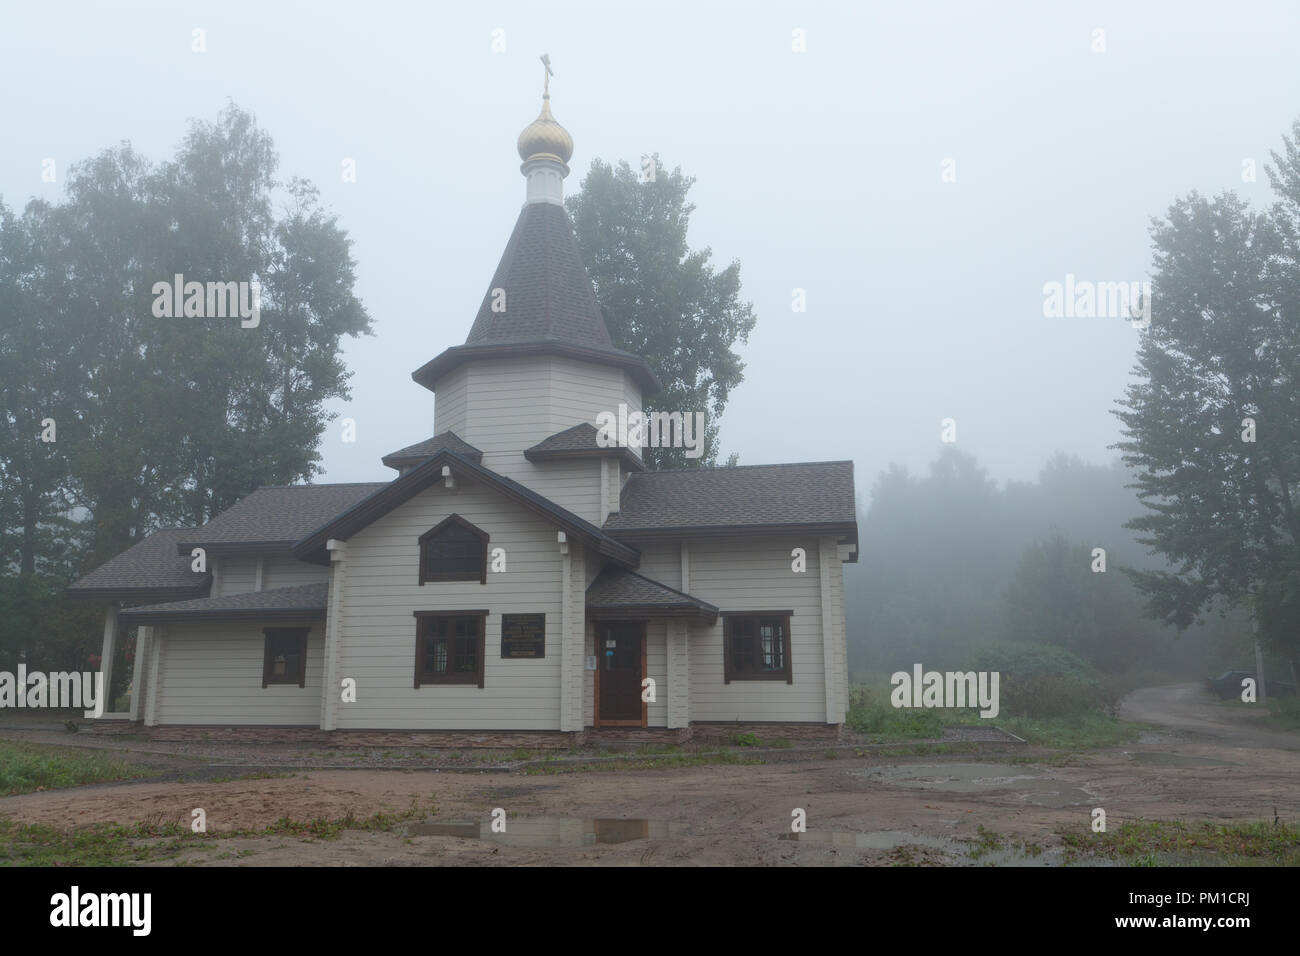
(454, 550)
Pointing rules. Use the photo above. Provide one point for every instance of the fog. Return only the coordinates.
(819, 170)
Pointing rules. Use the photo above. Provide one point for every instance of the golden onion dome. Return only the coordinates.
(544, 138)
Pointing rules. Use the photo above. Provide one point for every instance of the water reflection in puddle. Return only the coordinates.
(880, 840)
(554, 831)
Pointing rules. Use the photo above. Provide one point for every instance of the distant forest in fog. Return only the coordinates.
(950, 562)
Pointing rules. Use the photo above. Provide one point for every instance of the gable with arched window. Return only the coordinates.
(454, 550)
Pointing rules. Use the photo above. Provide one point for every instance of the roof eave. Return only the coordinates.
(145, 616)
(153, 595)
(622, 453)
(236, 547)
(848, 528)
(400, 490)
(429, 373)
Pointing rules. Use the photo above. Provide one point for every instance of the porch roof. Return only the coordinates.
(304, 602)
(622, 594)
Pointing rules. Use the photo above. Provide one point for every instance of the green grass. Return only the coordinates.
(1072, 733)
(657, 750)
(753, 740)
(986, 841)
(874, 717)
(1283, 712)
(110, 844)
(26, 768)
(1141, 842)
(39, 844)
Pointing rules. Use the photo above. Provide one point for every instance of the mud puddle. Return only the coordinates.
(1176, 760)
(1037, 788)
(552, 831)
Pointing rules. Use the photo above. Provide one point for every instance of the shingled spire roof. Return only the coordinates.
(547, 294)
(540, 300)
(546, 305)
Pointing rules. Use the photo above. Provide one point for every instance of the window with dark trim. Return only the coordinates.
(756, 646)
(454, 550)
(449, 647)
(285, 660)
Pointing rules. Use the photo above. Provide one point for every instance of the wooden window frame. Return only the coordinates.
(456, 679)
(269, 679)
(729, 674)
(479, 574)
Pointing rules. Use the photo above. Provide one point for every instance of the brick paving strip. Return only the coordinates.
(271, 757)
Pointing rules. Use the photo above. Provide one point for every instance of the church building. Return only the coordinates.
(519, 578)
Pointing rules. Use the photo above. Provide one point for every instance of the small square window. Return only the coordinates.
(285, 660)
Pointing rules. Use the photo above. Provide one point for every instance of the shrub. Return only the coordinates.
(1041, 680)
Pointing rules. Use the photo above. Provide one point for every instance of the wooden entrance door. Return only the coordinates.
(620, 668)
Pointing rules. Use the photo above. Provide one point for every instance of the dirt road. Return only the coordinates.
(1204, 762)
(1193, 713)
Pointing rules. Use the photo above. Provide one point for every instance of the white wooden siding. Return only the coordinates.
(504, 406)
(507, 410)
(588, 677)
(632, 396)
(284, 572)
(212, 674)
(656, 666)
(582, 390)
(238, 575)
(753, 574)
(573, 484)
(378, 628)
(449, 405)
(662, 562)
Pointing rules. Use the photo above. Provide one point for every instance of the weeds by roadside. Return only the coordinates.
(27, 768)
(1145, 842)
(152, 841)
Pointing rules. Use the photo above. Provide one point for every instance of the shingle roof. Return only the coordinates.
(547, 293)
(389, 496)
(277, 515)
(303, 601)
(151, 567)
(414, 454)
(546, 302)
(750, 498)
(620, 592)
(580, 442)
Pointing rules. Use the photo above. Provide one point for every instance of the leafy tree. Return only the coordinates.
(1056, 598)
(661, 300)
(185, 415)
(1223, 347)
(159, 420)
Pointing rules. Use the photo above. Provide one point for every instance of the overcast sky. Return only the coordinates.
(818, 170)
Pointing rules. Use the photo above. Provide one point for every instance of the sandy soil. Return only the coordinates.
(1205, 765)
